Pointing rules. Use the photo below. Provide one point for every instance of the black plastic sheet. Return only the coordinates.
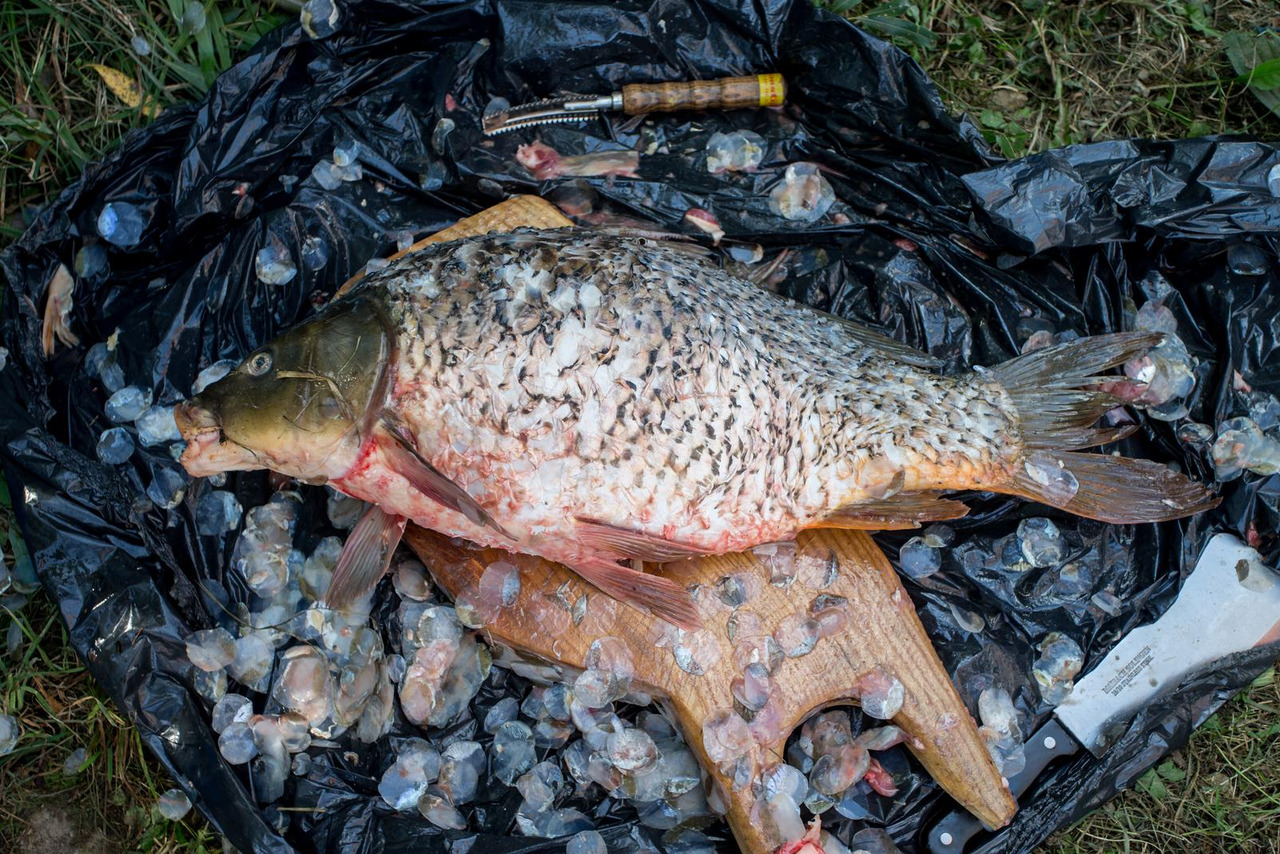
(931, 237)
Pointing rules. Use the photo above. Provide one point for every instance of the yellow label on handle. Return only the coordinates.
(773, 90)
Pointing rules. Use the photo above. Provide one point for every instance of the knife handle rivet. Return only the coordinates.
(946, 839)
(1050, 742)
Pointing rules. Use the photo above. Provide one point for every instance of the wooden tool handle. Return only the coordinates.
(762, 90)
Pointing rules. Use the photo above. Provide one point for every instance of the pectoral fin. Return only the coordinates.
(662, 596)
(403, 458)
(895, 513)
(365, 556)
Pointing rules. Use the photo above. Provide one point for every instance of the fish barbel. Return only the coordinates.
(599, 399)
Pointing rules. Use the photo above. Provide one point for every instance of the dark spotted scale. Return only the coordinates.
(558, 376)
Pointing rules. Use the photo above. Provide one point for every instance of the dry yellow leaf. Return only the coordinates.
(57, 312)
(124, 88)
(120, 84)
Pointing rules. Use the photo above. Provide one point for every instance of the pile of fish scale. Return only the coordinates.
(288, 677)
(311, 678)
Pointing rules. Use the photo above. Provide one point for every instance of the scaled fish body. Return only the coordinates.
(596, 399)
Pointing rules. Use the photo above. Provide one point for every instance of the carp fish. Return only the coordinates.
(605, 400)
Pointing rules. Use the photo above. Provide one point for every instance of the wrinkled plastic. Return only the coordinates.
(930, 237)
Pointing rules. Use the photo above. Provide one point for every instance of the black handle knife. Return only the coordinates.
(1229, 602)
(952, 834)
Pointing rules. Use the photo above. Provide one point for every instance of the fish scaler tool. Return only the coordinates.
(729, 93)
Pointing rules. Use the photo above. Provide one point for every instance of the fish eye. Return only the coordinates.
(260, 364)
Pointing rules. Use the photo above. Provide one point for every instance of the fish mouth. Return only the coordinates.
(192, 419)
(208, 452)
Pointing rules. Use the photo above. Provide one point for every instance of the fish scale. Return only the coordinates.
(716, 457)
(596, 398)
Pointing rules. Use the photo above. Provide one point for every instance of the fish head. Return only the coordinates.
(302, 405)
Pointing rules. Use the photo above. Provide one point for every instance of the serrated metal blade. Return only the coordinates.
(546, 111)
(502, 124)
(570, 107)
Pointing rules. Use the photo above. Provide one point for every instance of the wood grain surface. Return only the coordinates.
(879, 631)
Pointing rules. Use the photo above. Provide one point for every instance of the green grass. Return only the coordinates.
(55, 113)
(1033, 74)
(1216, 795)
(1038, 74)
(59, 709)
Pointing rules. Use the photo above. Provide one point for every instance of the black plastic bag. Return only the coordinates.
(931, 237)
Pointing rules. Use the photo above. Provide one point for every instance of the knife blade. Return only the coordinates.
(1230, 602)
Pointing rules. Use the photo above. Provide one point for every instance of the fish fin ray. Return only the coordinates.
(365, 556)
(891, 347)
(895, 513)
(1092, 437)
(403, 458)
(661, 596)
(1055, 389)
(1057, 400)
(630, 544)
(1119, 490)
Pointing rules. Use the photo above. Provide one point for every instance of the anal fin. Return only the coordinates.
(365, 556)
(895, 513)
(631, 544)
(662, 596)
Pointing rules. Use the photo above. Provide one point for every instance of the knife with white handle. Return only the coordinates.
(1230, 602)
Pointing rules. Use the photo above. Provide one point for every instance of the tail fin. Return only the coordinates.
(1056, 390)
(1111, 489)
(1057, 394)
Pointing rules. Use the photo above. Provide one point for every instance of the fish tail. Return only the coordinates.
(1058, 396)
